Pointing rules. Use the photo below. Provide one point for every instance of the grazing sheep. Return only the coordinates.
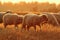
(31, 20)
(1, 16)
(53, 18)
(12, 19)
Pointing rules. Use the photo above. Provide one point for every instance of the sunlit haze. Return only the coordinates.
(16, 1)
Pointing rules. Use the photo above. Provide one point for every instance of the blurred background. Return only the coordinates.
(35, 6)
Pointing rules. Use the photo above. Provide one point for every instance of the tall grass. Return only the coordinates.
(48, 32)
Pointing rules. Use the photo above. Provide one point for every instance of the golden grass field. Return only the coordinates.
(47, 32)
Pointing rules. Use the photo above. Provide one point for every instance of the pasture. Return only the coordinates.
(47, 32)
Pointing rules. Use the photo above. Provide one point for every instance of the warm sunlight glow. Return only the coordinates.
(16, 1)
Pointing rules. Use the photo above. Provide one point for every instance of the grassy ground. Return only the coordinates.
(48, 32)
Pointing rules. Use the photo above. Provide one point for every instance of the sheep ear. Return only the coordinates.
(44, 18)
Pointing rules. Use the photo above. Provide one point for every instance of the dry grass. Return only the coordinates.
(48, 32)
